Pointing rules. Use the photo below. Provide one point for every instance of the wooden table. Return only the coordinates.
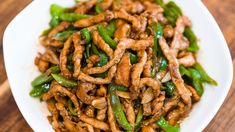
(12, 120)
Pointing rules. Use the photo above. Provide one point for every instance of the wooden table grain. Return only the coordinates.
(11, 119)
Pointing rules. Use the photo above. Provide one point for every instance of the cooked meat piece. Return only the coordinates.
(46, 41)
(147, 68)
(168, 31)
(41, 64)
(63, 58)
(100, 43)
(123, 71)
(134, 7)
(147, 110)
(101, 114)
(78, 53)
(137, 70)
(82, 92)
(99, 103)
(91, 61)
(122, 31)
(105, 16)
(94, 122)
(90, 111)
(106, 80)
(187, 60)
(62, 26)
(147, 129)
(102, 91)
(120, 50)
(84, 7)
(130, 113)
(157, 103)
(153, 83)
(50, 56)
(195, 96)
(179, 42)
(174, 71)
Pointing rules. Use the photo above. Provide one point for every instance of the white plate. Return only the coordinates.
(21, 46)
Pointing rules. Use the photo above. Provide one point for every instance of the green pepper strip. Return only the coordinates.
(153, 72)
(111, 27)
(120, 88)
(87, 53)
(139, 118)
(160, 2)
(166, 126)
(71, 17)
(169, 88)
(86, 35)
(175, 7)
(45, 77)
(71, 109)
(204, 75)
(197, 84)
(104, 34)
(172, 12)
(64, 81)
(62, 36)
(189, 34)
(158, 32)
(184, 71)
(46, 32)
(117, 110)
(163, 65)
(55, 21)
(98, 9)
(39, 90)
(133, 58)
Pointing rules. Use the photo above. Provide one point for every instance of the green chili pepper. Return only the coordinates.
(175, 7)
(71, 17)
(169, 88)
(163, 65)
(153, 72)
(56, 10)
(77, 1)
(117, 110)
(193, 46)
(71, 107)
(111, 27)
(196, 78)
(139, 118)
(120, 88)
(158, 32)
(86, 35)
(160, 2)
(62, 36)
(94, 49)
(70, 58)
(87, 52)
(98, 9)
(104, 34)
(172, 12)
(133, 58)
(162, 123)
(103, 59)
(184, 71)
(45, 77)
(39, 90)
(204, 75)
(46, 32)
(64, 81)
(70, 67)
(55, 21)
